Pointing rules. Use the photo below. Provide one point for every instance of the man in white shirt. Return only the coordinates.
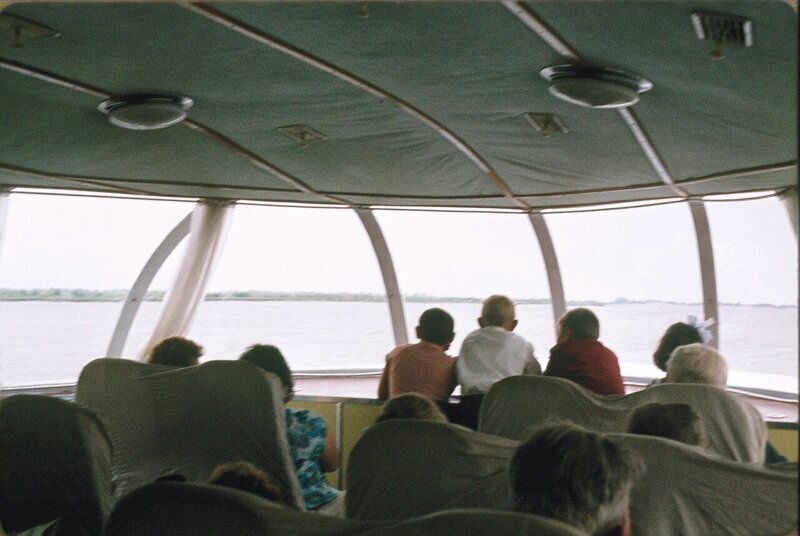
(493, 352)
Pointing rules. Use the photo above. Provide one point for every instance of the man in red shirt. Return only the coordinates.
(580, 357)
(423, 367)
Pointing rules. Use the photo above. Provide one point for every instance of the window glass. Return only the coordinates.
(755, 255)
(303, 279)
(455, 260)
(65, 267)
(637, 269)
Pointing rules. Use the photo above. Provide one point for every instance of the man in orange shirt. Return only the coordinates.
(423, 367)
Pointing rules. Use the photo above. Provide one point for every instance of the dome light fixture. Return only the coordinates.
(595, 87)
(145, 111)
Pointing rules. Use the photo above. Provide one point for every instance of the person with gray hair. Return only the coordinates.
(576, 476)
(697, 363)
(493, 352)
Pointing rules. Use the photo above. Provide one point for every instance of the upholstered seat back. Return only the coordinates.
(165, 420)
(55, 464)
(513, 407)
(687, 491)
(176, 509)
(406, 468)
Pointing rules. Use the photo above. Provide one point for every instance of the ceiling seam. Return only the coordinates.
(562, 47)
(318, 63)
(209, 133)
(108, 182)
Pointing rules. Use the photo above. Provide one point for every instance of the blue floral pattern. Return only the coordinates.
(306, 431)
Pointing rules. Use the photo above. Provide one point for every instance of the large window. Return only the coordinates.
(637, 269)
(470, 256)
(305, 280)
(65, 265)
(756, 264)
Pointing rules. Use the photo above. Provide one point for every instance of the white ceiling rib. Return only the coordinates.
(81, 181)
(209, 133)
(549, 36)
(322, 65)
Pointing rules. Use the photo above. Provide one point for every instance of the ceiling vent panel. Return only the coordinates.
(302, 133)
(20, 29)
(546, 124)
(723, 29)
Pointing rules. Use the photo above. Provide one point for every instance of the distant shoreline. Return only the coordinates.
(118, 295)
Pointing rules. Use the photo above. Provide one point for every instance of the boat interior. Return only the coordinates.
(530, 109)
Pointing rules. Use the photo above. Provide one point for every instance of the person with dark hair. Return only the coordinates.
(247, 477)
(270, 358)
(411, 406)
(176, 352)
(575, 476)
(678, 334)
(423, 367)
(578, 355)
(313, 449)
(672, 421)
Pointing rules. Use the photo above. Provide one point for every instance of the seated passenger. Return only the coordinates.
(576, 476)
(580, 357)
(697, 363)
(247, 477)
(411, 406)
(672, 421)
(175, 352)
(423, 367)
(493, 352)
(678, 334)
(312, 448)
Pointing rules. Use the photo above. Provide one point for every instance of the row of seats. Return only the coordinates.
(514, 406)
(55, 480)
(164, 421)
(406, 468)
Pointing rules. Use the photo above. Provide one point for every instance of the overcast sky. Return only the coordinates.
(647, 253)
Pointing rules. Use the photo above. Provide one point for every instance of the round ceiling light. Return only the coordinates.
(146, 111)
(595, 87)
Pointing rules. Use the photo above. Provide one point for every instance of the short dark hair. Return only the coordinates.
(582, 323)
(678, 334)
(436, 326)
(247, 477)
(673, 421)
(574, 475)
(270, 358)
(175, 352)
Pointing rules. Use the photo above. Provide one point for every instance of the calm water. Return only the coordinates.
(46, 342)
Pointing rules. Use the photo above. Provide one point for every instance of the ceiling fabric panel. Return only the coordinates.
(474, 67)
(704, 115)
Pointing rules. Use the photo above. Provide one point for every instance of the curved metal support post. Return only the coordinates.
(708, 273)
(393, 296)
(3, 214)
(550, 265)
(142, 284)
(789, 198)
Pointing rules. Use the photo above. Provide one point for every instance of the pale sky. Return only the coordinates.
(645, 253)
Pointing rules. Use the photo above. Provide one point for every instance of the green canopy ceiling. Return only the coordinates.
(465, 74)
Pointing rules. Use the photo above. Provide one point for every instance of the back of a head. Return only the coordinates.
(436, 326)
(498, 310)
(697, 363)
(672, 421)
(411, 406)
(247, 477)
(270, 358)
(582, 324)
(678, 334)
(176, 352)
(574, 475)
